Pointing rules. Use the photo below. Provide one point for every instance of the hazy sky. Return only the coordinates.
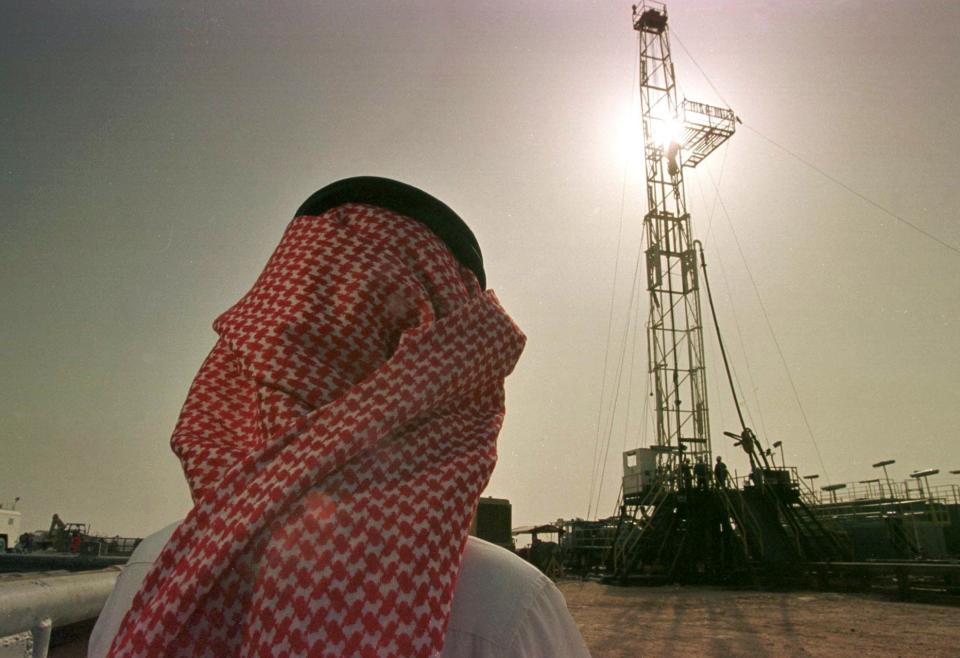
(153, 152)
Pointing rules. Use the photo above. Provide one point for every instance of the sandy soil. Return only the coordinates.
(687, 621)
(622, 622)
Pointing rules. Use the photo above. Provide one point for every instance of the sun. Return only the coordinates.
(667, 131)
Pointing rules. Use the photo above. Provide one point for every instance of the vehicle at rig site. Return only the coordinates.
(73, 538)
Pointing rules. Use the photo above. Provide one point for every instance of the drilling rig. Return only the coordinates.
(677, 521)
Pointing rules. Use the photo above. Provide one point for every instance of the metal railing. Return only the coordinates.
(905, 490)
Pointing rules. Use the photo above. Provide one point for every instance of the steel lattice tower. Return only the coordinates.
(676, 135)
(673, 525)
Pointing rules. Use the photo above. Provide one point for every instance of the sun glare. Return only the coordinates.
(667, 131)
(627, 140)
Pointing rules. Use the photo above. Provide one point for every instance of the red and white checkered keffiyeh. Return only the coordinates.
(336, 441)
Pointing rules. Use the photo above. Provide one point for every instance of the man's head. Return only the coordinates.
(347, 415)
(408, 201)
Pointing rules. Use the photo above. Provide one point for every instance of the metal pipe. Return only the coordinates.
(716, 325)
(63, 599)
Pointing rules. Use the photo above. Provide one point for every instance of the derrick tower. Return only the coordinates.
(674, 523)
(676, 135)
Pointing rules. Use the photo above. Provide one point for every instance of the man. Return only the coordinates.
(336, 441)
(720, 473)
(686, 474)
(702, 473)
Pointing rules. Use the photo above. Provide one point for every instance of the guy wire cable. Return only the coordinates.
(773, 335)
(619, 378)
(736, 322)
(613, 292)
(830, 177)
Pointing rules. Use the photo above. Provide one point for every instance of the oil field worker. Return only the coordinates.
(336, 441)
(702, 472)
(720, 473)
(686, 474)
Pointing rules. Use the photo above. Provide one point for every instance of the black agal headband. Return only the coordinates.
(405, 200)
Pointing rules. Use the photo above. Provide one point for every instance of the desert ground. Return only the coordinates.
(634, 622)
(695, 621)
